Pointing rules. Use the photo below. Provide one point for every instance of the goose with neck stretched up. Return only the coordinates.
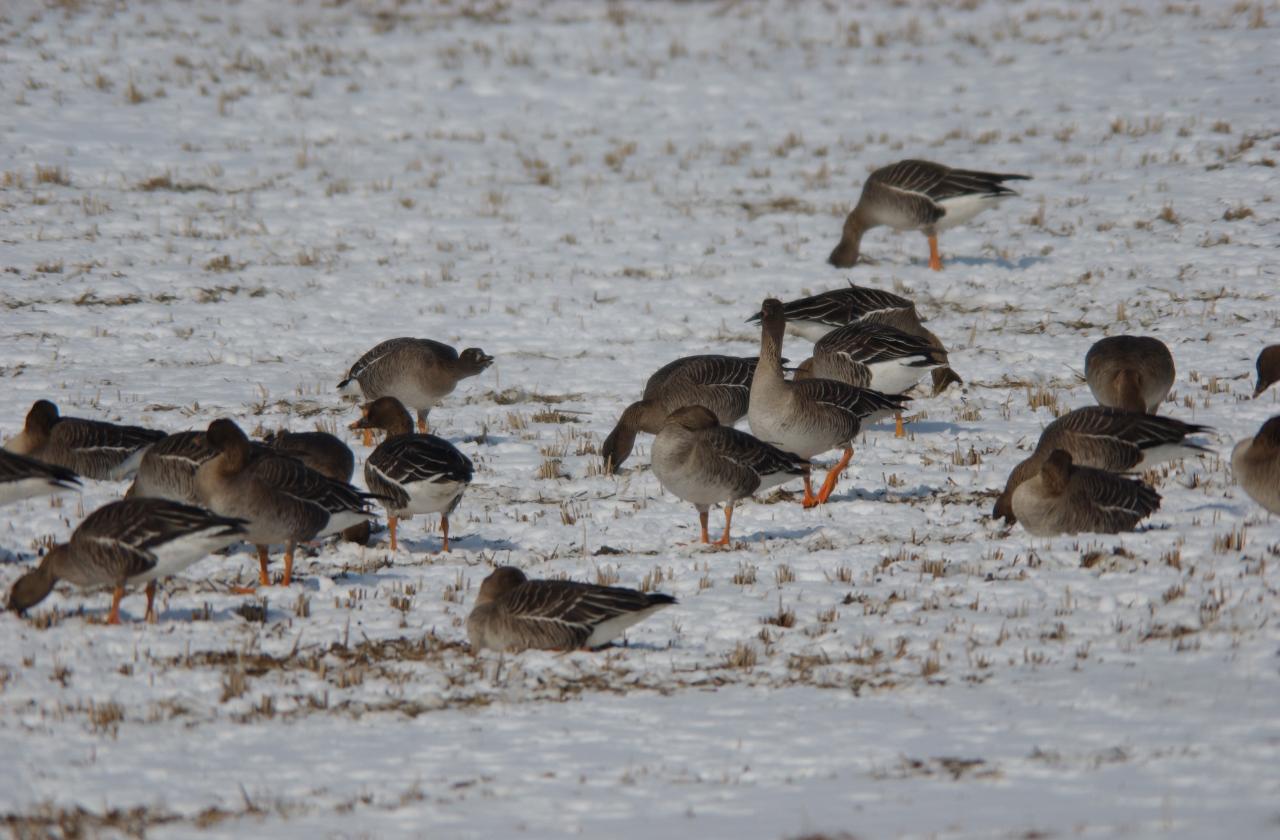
(92, 448)
(919, 195)
(23, 478)
(1065, 499)
(810, 416)
(1130, 372)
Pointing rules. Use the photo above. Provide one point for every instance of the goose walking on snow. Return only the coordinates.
(513, 613)
(22, 478)
(1132, 372)
(94, 449)
(1065, 499)
(919, 195)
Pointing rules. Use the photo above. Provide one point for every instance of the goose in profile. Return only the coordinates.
(168, 469)
(412, 473)
(719, 383)
(418, 372)
(919, 195)
(1105, 439)
(126, 543)
(810, 416)
(22, 478)
(513, 613)
(1268, 369)
(327, 455)
(870, 355)
(282, 500)
(1065, 499)
(1132, 372)
(698, 460)
(1256, 464)
(93, 449)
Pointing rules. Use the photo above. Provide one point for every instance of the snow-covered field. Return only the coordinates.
(211, 210)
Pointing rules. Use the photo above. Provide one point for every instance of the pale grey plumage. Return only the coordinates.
(419, 372)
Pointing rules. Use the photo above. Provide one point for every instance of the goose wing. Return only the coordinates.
(871, 343)
(860, 402)
(563, 614)
(840, 306)
(757, 456)
(15, 468)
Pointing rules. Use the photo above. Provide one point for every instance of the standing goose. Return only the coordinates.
(1268, 369)
(418, 372)
(719, 383)
(22, 478)
(1105, 439)
(698, 460)
(871, 355)
(810, 416)
(1065, 499)
(413, 473)
(513, 613)
(325, 454)
(919, 195)
(94, 449)
(282, 500)
(1132, 372)
(168, 469)
(1256, 463)
(126, 543)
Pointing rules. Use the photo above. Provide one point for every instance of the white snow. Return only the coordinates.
(213, 209)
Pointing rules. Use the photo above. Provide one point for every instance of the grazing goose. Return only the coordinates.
(871, 355)
(22, 478)
(698, 460)
(1105, 439)
(1132, 372)
(282, 500)
(93, 449)
(1065, 499)
(817, 315)
(1256, 463)
(513, 613)
(810, 416)
(412, 473)
(1268, 369)
(919, 195)
(126, 543)
(168, 469)
(720, 383)
(417, 371)
(327, 455)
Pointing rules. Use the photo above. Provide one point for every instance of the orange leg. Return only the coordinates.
(151, 601)
(898, 429)
(702, 518)
(422, 426)
(114, 617)
(809, 499)
(834, 475)
(264, 579)
(728, 518)
(368, 437)
(444, 529)
(935, 260)
(288, 565)
(391, 529)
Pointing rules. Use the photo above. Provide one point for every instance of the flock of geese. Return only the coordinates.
(197, 492)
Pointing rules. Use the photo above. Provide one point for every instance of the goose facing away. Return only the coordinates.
(1256, 464)
(22, 478)
(919, 195)
(719, 383)
(283, 501)
(810, 416)
(698, 460)
(126, 543)
(168, 469)
(513, 613)
(1065, 499)
(94, 449)
(418, 372)
(1268, 369)
(1132, 372)
(1105, 439)
(412, 473)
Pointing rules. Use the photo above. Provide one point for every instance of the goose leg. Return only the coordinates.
(288, 565)
(422, 423)
(809, 499)
(702, 520)
(898, 429)
(935, 260)
(151, 602)
(834, 475)
(264, 579)
(368, 437)
(444, 529)
(391, 529)
(114, 617)
(728, 518)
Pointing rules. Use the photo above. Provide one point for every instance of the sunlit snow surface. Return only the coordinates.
(212, 210)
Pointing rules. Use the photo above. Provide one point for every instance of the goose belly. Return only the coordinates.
(803, 439)
(896, 376)
(962, 208)
(429, 497)
(177, 554)
(610, 629)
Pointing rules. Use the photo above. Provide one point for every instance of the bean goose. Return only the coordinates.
(1132, 372)
(1105, 439)
(126, 543)
(418, 372)
(22, 477)
(810, 416)
(168, 469)
(871, 355)
(1065, 499)
(919, 195)
(93, 449)
(1256, 464)
(513, 613)
(283, 501)
(720, 383)
(325, 454)
(412, 473)
(817, 315)
(1268, 369)
(698, 460)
